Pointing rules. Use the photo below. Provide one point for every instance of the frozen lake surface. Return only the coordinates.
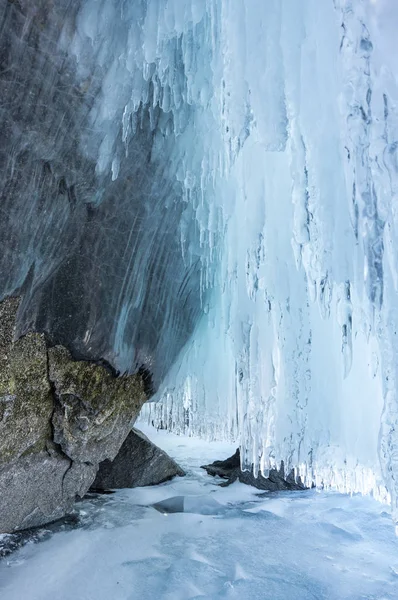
(228, 543)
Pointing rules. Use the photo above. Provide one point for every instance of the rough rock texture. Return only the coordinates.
(139, 463)
(25, 394)
(39, 488)
(230, 470)
(58, 419)
(93, 410)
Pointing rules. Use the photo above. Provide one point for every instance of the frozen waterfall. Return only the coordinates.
(210, 195)
(293, 186)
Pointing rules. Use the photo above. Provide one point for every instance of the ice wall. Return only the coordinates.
(207, 189)
(297, 356)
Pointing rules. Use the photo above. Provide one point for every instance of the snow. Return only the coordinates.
(230, 543)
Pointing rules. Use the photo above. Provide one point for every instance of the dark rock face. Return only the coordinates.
(96, 258)
(94, 234)
(58, 419)
(230, 470)
(138, 463)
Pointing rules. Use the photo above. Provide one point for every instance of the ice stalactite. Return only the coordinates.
(296, 358)
(206, 190)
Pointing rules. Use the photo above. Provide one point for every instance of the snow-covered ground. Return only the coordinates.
(287, 546)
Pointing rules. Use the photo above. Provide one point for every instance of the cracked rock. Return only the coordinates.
(59, 418)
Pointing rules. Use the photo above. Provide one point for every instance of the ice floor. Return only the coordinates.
(290, 546)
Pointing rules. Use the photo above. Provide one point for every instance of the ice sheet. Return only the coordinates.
(291, 546)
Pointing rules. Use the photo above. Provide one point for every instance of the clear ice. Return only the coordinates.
(224, 180)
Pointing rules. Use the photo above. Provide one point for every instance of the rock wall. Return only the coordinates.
(96, 252)
(59, 418)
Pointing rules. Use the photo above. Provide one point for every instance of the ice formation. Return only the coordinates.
(241, 242)
(296, 356)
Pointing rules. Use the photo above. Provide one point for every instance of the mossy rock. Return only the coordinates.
(94, 410)
(26, 403)
(59, 418)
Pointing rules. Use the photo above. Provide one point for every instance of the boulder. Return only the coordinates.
(138, 463)
(40, 488)
(94, 410)
(231, 471)
(59, 418)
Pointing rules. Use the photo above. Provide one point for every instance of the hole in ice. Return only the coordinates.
(200, 505)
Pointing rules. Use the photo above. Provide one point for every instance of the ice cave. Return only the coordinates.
(198, 268)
